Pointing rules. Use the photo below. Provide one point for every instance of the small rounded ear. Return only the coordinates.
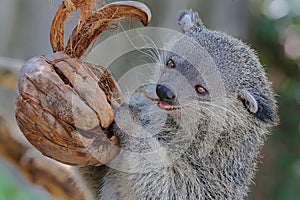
(249, 101)
(258, 104)
(188, 19)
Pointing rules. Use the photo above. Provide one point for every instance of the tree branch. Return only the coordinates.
(56, 178)
(9, 69)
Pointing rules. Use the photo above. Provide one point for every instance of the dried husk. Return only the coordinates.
(63, 105)
(101, 20)
(92, 25)
(63, 113)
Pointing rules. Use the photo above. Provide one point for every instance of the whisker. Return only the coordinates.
(150, 98)
(228, 110)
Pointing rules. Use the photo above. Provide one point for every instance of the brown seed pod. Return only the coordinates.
(63, 112)
(64, 106)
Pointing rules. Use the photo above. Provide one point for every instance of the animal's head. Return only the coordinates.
(206, 67)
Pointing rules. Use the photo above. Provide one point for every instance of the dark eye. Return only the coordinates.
(201, 90)
(170, 64)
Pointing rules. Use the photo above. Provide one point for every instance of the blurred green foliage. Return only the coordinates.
(11, 189)
(276, 36)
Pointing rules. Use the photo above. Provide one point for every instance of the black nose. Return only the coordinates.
(165, 94)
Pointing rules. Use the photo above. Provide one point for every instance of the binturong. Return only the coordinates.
(197, 130)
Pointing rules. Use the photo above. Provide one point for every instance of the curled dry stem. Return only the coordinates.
(91, 24)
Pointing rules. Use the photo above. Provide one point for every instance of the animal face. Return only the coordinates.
(180, 83)
(209, 66)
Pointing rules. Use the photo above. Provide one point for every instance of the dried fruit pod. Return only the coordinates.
(62, 110)
(64, 106)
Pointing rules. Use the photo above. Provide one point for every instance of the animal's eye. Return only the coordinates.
(170, 63)
(200, 90)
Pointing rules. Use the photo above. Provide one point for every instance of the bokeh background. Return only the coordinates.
(271, 27)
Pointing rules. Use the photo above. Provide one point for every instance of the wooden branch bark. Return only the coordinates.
(56, 178)
(9, 69)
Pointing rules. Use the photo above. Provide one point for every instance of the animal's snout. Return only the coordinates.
(165, 94)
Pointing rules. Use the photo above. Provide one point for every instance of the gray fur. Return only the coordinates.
(207, 149)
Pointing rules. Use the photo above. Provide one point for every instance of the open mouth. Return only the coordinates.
(166, 106)
(161, 104)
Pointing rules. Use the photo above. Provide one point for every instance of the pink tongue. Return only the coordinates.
(164, 105)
